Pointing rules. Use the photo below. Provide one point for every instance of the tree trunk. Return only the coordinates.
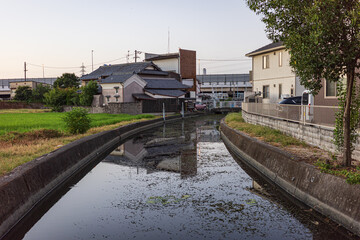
(346, 121)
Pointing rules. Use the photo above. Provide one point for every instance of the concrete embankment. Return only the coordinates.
(330, 195)
(26, 185)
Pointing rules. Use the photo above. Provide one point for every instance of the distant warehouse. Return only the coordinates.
(9, 86)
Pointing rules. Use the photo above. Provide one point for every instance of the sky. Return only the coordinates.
(61, 34)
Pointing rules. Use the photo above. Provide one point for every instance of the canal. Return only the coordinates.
(177, 181)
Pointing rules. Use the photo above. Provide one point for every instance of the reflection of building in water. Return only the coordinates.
(188, 166)
(208, 134)
(176, 154)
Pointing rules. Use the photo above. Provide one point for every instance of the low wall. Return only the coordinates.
(27, 184)
(132, 108)
(327, 194)
(19, 105)
(319, 136)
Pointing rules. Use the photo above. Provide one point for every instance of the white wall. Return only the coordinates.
(168, 64)
(274, 75)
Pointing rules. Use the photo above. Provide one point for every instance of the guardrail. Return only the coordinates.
(315, 115)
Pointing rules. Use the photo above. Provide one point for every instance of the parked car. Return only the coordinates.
(291, 100)
(200, 106)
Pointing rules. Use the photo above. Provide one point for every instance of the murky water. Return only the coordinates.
(174, 182)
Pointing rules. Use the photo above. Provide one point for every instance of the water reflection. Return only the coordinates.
(166, 150)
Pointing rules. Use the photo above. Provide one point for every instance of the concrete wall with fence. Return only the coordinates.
(313, 125)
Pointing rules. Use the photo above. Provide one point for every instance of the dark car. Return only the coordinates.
(292, 100)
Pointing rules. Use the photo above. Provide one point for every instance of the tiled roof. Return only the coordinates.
(166, 92)
(154, 57)
(118, 78)
(126, 68)
(265, 49)
(142, 96)
(164, 83)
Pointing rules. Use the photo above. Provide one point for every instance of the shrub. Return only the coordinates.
(88, 92)
(77, 120)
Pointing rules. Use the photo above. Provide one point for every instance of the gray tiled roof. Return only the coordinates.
(164, 83)
(224, 78)
(166, 92)
(154, 57)
(118, 78)
(126, 68)
(142, 96)
(265, 48)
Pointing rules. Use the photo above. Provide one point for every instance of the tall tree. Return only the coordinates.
(67, 80)
(323, 38)
(23, 93)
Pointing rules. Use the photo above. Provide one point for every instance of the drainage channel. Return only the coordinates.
(177, 181)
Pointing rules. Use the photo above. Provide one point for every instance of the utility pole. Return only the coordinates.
(82, 69)
(92, 60)
(136, 55)
(43, 71)
(25, 70)
(128, 56)
(199, 66)
(169, 40)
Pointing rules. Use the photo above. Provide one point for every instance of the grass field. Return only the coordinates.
(23, 138)
(25, 122)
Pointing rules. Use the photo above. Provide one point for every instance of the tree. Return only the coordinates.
(23, 93)
(38, 93)
(59, 97)
(67, 80)
(323, 38)
(88, 92)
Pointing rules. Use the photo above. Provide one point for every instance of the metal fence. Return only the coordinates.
(224, 104)
(315, 115)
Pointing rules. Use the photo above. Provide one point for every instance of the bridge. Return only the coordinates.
(225, 106)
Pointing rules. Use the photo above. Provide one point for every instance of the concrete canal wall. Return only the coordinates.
(319, 136)
(327, 194)
(26, 185)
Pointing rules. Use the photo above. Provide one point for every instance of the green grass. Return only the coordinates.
(26, 122)
(266, 134)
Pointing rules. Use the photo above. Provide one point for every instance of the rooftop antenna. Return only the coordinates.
(168, 39)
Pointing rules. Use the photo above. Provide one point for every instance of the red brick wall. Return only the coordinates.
(188, 65)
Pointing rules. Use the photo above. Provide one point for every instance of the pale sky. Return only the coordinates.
(60, 34)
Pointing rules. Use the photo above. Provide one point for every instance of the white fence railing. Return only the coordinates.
(224, 104)
(316, 115)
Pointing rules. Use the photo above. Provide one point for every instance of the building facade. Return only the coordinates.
(272, 75)
(224, 86)
(182, 63)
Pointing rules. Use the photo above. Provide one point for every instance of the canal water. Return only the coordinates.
(177, 181)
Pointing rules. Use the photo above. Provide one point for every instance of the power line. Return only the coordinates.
(224, 60)
(90, 65)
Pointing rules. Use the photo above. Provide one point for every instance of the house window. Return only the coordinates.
(266, 91)
(265, 61)
(330, 89)
(280, 90)
(116, 89)
(280, 59)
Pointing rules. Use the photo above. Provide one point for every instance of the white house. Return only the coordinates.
(272, 75)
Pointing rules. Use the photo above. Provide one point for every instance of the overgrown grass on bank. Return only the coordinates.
(26, 122)
(266, 134)
(44, 132)
(275, 137)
